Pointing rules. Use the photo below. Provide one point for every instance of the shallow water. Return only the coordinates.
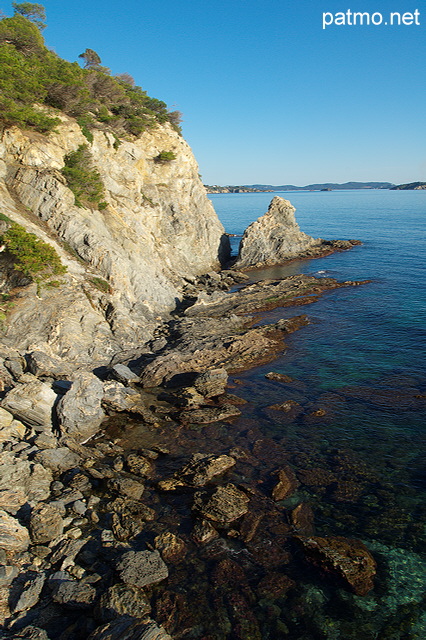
(354, 437)
(361, 364)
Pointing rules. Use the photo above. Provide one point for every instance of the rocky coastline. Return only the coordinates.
(120, 478)
(88, 548)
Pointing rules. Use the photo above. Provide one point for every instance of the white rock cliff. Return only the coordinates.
(159, 227)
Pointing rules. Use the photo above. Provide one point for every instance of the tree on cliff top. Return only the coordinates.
(32, 76)
(91, 59)
(32, 11)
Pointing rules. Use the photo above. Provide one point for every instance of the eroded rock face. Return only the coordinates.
(158, 228)
(274, 237)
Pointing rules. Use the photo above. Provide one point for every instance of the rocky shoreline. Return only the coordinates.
(96, 537)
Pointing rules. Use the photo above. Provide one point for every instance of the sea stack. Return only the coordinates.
(275, 237)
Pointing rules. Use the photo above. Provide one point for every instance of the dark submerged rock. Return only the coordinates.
(226, 504)
(343, 558)
(200, 470)
(127, 628)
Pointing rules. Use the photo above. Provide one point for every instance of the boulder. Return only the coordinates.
(126, 487)
(122, 600)
(74, 594)
(32, 633)
(226, 504)
(60, 459)
(278, 377)
(127, 628)
(21, 482)
(302, 519)
(142, 568)
(8, 573)
(32, 403)
(188, 397)
(31, 592)
(198, 471)
(274, 585)
(286, 484)
(208, 414)
(46, 524)
(139, 465)
(42, 365)
(123, 374)
(117, 397)
(10, 429)
(204, 532)
(66, 551)
(171, 547)
(80, 413)
(13, 536)
(128, 517)
(211, 383)
(344, 559)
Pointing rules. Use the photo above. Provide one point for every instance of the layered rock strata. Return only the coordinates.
(158, 227)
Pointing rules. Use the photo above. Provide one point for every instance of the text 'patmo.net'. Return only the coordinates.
(359, 18)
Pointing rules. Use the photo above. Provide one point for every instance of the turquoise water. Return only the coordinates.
(359, 380)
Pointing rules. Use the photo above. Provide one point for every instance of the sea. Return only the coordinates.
(357, 375)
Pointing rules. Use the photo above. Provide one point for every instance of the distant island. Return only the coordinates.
(327, 186)
(233, 189)
(410, 186)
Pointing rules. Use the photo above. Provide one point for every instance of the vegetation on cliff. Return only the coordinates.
(83, 180)
(33, 257)
(31, 75)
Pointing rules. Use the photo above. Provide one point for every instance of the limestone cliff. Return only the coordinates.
(158, 228)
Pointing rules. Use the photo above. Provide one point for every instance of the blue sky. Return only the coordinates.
(268, 95)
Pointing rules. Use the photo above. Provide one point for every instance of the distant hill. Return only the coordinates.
(325, 185)
(410, 186)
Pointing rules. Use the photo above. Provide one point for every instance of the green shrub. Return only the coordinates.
(83, 180)
(165, 156)
(85, 122)
(35, 258)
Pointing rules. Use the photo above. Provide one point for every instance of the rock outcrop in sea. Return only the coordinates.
(276, 237)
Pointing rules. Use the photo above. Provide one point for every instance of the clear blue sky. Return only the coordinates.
(267, 94)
